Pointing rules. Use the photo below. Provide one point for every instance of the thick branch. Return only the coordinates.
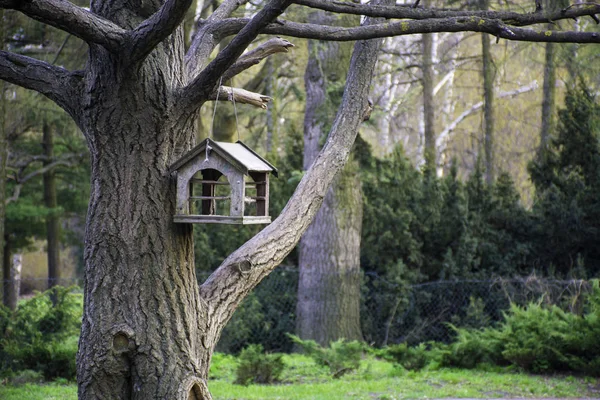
(409, 12)
(243, 269)
(72, 19)
(461, 24)
(241, 96)
(203, 85)
(156, 28)
(253, 57)
(58, 84)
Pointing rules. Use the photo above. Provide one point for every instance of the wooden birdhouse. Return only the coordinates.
(222, 183)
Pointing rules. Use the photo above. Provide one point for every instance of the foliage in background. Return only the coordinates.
(536, 338)
(340, 357)
(41, 337)
(257, 367)
(419, 228)
(411, 358)
(567, 181)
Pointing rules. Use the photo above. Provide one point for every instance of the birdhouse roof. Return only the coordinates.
(237, 154)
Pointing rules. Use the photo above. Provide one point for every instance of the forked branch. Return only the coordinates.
(206, 38)
(72, 19)
(156, 28)
(56, 83)
(203, 85)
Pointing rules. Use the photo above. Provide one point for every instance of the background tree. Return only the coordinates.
(328, 305)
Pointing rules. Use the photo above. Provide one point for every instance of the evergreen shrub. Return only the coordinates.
(340, 357)
(535, 338)
(410, 358)
(257, 367)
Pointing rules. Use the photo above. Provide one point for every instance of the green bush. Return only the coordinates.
(535, 338)
(410, 358)
(40, 336)
(257, 367)
(340, 357)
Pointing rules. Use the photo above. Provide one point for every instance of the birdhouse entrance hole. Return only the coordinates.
(210, 193)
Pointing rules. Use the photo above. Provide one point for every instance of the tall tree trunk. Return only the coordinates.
(52, 220)
(488, 100)
(143, 332)
(549, 96)
(428, 105)
(549, 87)
(328, 305)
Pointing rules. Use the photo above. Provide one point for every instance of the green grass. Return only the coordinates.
(375, 379)
(39, 392)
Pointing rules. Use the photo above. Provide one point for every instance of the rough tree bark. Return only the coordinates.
(488, 72)
(52, 220)
(148, 330)
(328, 305)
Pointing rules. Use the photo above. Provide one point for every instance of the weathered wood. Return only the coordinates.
(221, 219)
(210, 197)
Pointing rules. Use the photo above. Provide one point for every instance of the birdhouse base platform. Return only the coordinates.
(221, 219)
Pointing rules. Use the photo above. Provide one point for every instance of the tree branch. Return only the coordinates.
(157, 28)
(253, 57)
(72, 19)
(248, 265)
(459, 24)
(68, 162)
(56, 83)
(203, 85)
(442, 139)
(241, 96)
(410, 12)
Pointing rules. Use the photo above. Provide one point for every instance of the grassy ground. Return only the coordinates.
(375, 380)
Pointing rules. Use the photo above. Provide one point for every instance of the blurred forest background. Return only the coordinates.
(481, 161)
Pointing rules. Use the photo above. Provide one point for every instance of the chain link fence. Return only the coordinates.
(390, 313)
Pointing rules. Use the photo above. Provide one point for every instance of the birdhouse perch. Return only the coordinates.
(222, 183)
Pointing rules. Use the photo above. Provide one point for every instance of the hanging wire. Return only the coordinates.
(237, 127)
(212, 127)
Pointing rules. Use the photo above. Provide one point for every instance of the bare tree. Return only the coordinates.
(148, 329)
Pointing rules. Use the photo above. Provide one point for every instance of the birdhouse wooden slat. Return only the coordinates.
(224, 183)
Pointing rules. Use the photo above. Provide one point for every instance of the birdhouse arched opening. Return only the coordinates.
(225, 183)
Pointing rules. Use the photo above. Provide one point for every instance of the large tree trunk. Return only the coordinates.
(329, 285)
(143, 334)
(52, 220)
(328, 305)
